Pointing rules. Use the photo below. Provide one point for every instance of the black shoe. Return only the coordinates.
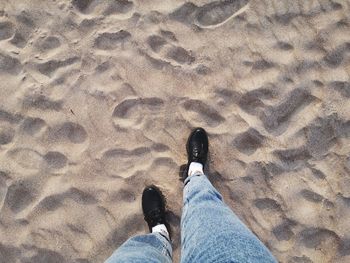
(197, 147)
(153, 206)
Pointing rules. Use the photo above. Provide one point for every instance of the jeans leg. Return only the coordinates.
(211, 232)
(150, 248)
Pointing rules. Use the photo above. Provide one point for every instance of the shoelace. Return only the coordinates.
(196, 152)
(154, 216)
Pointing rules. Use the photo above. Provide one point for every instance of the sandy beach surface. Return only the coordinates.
(98, 98)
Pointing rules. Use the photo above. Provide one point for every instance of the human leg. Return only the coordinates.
(211, 232)
(149, 248)
(154, 247)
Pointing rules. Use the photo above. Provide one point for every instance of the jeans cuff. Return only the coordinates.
(190, 177)
(167, 249)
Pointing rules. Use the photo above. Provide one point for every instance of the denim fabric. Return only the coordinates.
(210, 232)
(150, 248)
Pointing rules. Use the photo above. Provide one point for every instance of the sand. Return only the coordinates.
(98, 98)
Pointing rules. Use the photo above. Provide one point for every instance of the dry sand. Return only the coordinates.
(98, 98)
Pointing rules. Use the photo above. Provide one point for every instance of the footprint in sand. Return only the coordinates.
(284, 231)
(126, 160)
(210, 15)
(134, 112)
(252, 101)
(180, 55)
(166, 52)
(45, 255)
(111, 40)
(275, 118)
(9, 65)
(82, 5)
(55, 160)
(32, 126)
(49, 67)
(267, 204)
(105, 8)
(219, 12)
(6, 135)
(342, 87)
(41, 102)
(201, 114)
(69, 132)
(311, 196)
(156, 42)
(119, 7)
(54, 201)
(24, 28)
(19, 195)
(249, 141)
(48, 43)
(9, 117)
(32, 160)
(320, 239)
(6, 30)
(26, 158)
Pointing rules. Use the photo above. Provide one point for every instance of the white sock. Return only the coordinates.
(161, 229)
(195, 168)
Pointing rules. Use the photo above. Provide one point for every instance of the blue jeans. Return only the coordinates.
(210, 232)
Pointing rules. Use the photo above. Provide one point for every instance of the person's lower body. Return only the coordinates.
(149, 248)
(211, 232)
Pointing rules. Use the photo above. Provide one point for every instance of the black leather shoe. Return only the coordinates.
(153, 206)
(197, 146)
